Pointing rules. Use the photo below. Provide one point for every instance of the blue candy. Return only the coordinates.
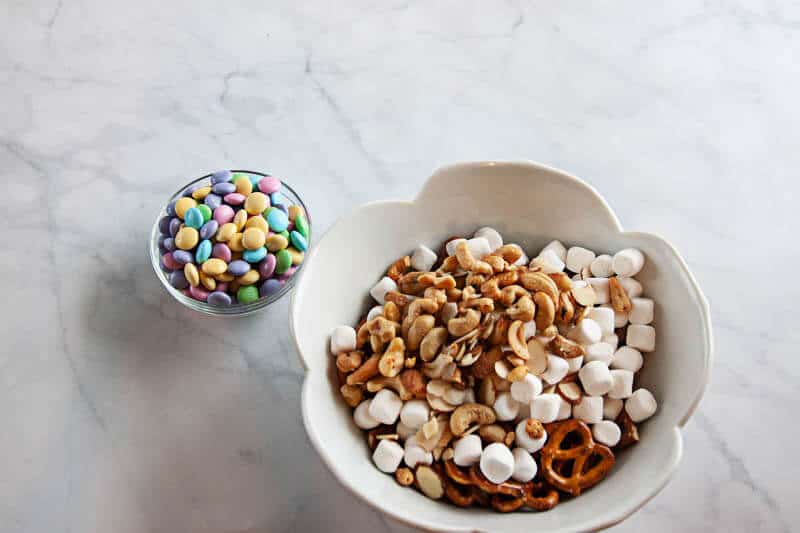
(220, 176)
(238, 267)
(277, 220)
(174, 226)
(270, 286)
(193, 218)
(209, 229)
(276, 198)
(169, 244)
(219, 298)
(213, 200)
(224, 188)
(298, 241)
(182, 256)
(254, 180)
(254, 256)
(203, 252)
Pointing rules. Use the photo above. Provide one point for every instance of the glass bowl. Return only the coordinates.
(235, 309)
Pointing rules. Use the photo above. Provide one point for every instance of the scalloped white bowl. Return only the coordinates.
(529, 204)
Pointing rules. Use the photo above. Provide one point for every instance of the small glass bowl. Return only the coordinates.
(236, 309)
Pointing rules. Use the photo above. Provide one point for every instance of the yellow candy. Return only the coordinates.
(276, 242)
(297, 255)
(257, 222)
(226, 231)
(186, 238)
(248, 278)
(235, 243)
(225, 277)
(243, 185)
(207, 281)
(294, 210)
(192, 275)
(215, 267)
(183, 205)
(253, 238)
(201, 193)
(256, 203)
(240, 220)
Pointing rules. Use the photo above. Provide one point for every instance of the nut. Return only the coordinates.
(437, 295)
(421, 327)
(509, 252)
(538, 281)
(497, 263)
(507, 278)
(471, 356)
(391, 311)
(563, 282)
(491, 289)
(475, 280)
(545, 310)
(415, 309)
(487, 325)
(492, 433)
(437, 367)
(399, 267)
(391, 362)
(441, 423)
(410, 362)
(537, 362)
(510, 294)
(510, 438)
(394, 383)
(432, 343)
(444, 396)
(516, 339)
(401, 300)
(362, 335)
(352, 394)
(413, 382)
(453, 295)
(619, 298)
(500, 333)
(484, 366)
(367, 371)
(518, 374)
(404, 476)
(448, 454)
(566, 348)
(430, 428)
(383, 329)
(464, 324)
(585, 295)
(468, 414)
(349, 361)
(484, 305)
(486, 394)
(523, 310)
(429, 482)
(410, 283)
(570, 391)
(565, 309)
(534, 428)
(445, 282)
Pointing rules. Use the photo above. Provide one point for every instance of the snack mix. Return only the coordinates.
(490, 380)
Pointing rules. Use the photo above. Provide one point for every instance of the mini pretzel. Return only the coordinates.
(456, 473)
(461, 495)
(507, 504)
(506, 489)
(580, 465)
(540, 496)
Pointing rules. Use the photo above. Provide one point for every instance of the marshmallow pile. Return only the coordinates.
(471, 352)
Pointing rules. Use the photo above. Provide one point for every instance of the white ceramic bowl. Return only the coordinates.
(529, 204)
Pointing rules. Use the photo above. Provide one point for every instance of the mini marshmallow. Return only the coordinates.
(362, 418)
(622, 386)
(524, 439)
(497, 462)
(491, 235)
(479, 246)
(628, 262)
(414, 413)
(641, 405)
(449, 310)
(612, 407)
(423, 258)
(557, 369)
(586, 332)
(387, 456)
(627, 358)
(523, 259)
(467, 450)
(343, 339)
(545, 407)
(549, 262)
(415, 454)
(404, 432)
(641, 337)
(631, 286)
(564, 410)
(606, 432)
(556, 247)
(600, 351)
(601, 292)
(595, 378)
(611, 339)
(524, 391)
(604, 316)
(385, 406)
(641, 311)
(574, 364)
(506, 407)
(601, 266)
(375, 312)
(524, 466)
(589, 409)
(379, 290)
(529, 329)
(578, 258)
(450, 247)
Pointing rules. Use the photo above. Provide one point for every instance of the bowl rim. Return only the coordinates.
(708, 349)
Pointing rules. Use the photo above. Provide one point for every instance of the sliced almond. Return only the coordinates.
(430, 428)
(501, 368)
(586, 272)
(438, 404)
(537, 362)
(585, 296)
(566, 348)
(515, 361)
(429, 482)
(570, 391)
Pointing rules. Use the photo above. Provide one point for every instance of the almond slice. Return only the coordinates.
(537, 362)
(501, 368)
(585, 296)
(429, 482)
(570, 391)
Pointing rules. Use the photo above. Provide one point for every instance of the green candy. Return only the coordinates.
(247, 294)
(301, 225)
(203, 208)
(267, 210)
(238, 175)
(285, 234)
(283, 261)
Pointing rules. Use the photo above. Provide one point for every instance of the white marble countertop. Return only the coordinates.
(124, 412)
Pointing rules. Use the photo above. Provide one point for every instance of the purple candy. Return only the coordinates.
(288, 274)
(221, 251)
(170, 262)
(209, 229)
(198, 293)
(213, 201)
(174, 226)
(219, 298)
(220, 176)
(163, 225)
(224, 188)
(182, 257)
(169, 244)
(238, 267)
(171, 208)
(222, 286)
(178, 280)
(161, 247)
(234, 198)
(270, 286)
(267, 266)
(269, 185)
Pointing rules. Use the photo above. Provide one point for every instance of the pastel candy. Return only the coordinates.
(220, 176)
(223, 214)
(267, 266)
(209, 229)
(193, 218)
(298, 241)
(277, 220)
(254, 256)
(238, 267)
(234, 198)
(203, 251)
(269, 184)
(213, 201)
(219, 298)
(271, 286)
(182, 257)
(174, 226)
(169, 261)
(224, 188)
(221, 251)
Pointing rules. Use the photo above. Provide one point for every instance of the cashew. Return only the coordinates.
(565, 309)
(399, 267)
(509, 252)
(410, 283)
(349, 361)
(510, 294)
(394, 383)
(415, 309)
(366, 371)
(419, 328)
(391, 362)
(468, 414)
(516, 339)
(562, 281)
(619, 297)
(484, 305)
(453, 295)
(436, 368)
(497, 263)
(400, 300)
(385, 330)
(450, 264)
(566, 348)
(437, 295)
(491, 289)
(413, 382)
(432, 343)
(475, 280)
(352, 394)
(362, 336)
(546, 310)
(537, 281)
(500, 332)
(440, 282)
(507, 278)
(404, 476)
(492, 433)
(523, 310)
(391, 311)
(464, 324)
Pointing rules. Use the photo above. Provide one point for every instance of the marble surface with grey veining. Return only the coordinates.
(124, 412)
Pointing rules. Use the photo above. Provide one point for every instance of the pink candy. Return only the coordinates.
(234, 198)
(198, 293)
(269, 185)
(223, 214)
(221, 251)
(170, 262)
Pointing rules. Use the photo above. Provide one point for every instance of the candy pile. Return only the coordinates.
(236, 239)
(490, 379)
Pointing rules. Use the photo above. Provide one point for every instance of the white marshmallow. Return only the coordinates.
(564, 410)
(524, 391)
(622, 386)
(586, 332)
(479, 246)
(557, 369)
(545, 407)
(578, 257)
(497, 462)
(404, 432)
(549, 262)
(606, 432)
(577, 277)
(343, 339)
(620, 319)
(449, 310)
(611, 339)
(612, 407)
(450, 247)
(631, 286)
(385, 406)
(641, 405)
(467, 450)
(415, 413)
(524, 466)
(529, 329)
(627, 358)
(423, 258)
(641, 337)
(559, 249)
(379, 290)
(523, 438)
(641, 311)
(600, 351)
(523, 259)
(375, 312)
(574, 364)
(579, 282)
(604, 316)
(362, 418)
(491, 235)
(628, 262)
(601, 292)
(387, 456)
(505, 407)
(601, 266)
(415, 454)
(595, 378)
(589, 409)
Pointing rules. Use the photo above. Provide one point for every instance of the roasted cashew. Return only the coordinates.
(437, 295)
(436, 368)
(484, 305)
(469, 414)
(545, 310)
(497, 263)
(491, 289)
(500, 332)
(537, 281)
(562, 281)
(464, 324)
(391, 311)
(523, 310)
(415, 309)
(393, 382)
(516, 339)
(349, 361)
(440, 282)
(509, 252)
(432, 343)
(419, 328)
(352, 394)
(566, 348)
(413, 382)
(391, 362)
(511, 293)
